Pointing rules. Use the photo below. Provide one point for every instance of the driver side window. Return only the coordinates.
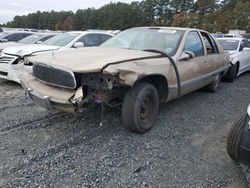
(194, 44)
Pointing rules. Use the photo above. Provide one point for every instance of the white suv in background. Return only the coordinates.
(12, 60)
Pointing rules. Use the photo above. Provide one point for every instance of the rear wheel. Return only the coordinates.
(233, 139)
(232, 73)
(140, 107)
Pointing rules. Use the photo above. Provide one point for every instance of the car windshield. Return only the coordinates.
(61, 39)
(166, 40)
(30, 39)
(229, 44)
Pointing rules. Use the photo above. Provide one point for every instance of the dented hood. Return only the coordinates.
(25, 50)
(90, 59)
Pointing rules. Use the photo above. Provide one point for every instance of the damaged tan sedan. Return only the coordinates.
(136, 70)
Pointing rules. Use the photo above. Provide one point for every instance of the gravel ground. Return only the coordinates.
(186, 148)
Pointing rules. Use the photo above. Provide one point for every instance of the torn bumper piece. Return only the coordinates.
(49, 97)
(48, 102)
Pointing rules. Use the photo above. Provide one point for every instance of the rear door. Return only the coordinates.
(214, 60)
(207, 62)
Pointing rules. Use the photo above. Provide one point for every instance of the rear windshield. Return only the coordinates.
(229, 44)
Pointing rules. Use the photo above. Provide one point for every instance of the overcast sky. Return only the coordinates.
(10, 8)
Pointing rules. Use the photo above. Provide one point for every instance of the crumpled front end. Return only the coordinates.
(76, 93)
(12, 67)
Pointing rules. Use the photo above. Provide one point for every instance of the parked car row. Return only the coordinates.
(31, 39)
(232, 34)
(12, 60)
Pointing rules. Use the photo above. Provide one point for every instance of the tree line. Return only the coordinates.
(210, 15)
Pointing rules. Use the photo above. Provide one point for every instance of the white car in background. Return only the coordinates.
(12, 59)
(239, 50)
(32, 39)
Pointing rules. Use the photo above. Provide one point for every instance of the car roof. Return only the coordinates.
(12, 31)
(230, 38)
(90, 31)
(177, 28)
(45, 34)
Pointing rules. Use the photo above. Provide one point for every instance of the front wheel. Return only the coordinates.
(140, 107)
(233, 139)
(231, 74)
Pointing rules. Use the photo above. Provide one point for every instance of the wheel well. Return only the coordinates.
(160, 83)
(238, 66)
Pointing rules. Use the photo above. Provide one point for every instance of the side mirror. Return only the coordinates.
(246, 49)
(39, 42)
(78, 45)
(186, 55)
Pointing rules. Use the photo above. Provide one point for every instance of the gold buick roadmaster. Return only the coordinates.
(136, 70)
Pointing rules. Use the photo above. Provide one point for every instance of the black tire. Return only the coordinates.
(233, 139)
(231, 74)
(140, 107)
(214, 86)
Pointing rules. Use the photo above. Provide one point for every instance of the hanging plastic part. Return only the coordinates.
(27, 93)
(174, 65)
(102, 111)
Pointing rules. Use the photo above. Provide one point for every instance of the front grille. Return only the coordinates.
(7, 59)
(54, 76)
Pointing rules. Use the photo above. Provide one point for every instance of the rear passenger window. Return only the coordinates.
(211, 47)
(104, 37)
(46, 38)
(242, 45)
(25, 35)
(194, 44)
(246, 43)
(90, 40)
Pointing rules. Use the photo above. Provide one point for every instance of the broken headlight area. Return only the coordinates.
(25, 61)
(96, 81)
(97, 89)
